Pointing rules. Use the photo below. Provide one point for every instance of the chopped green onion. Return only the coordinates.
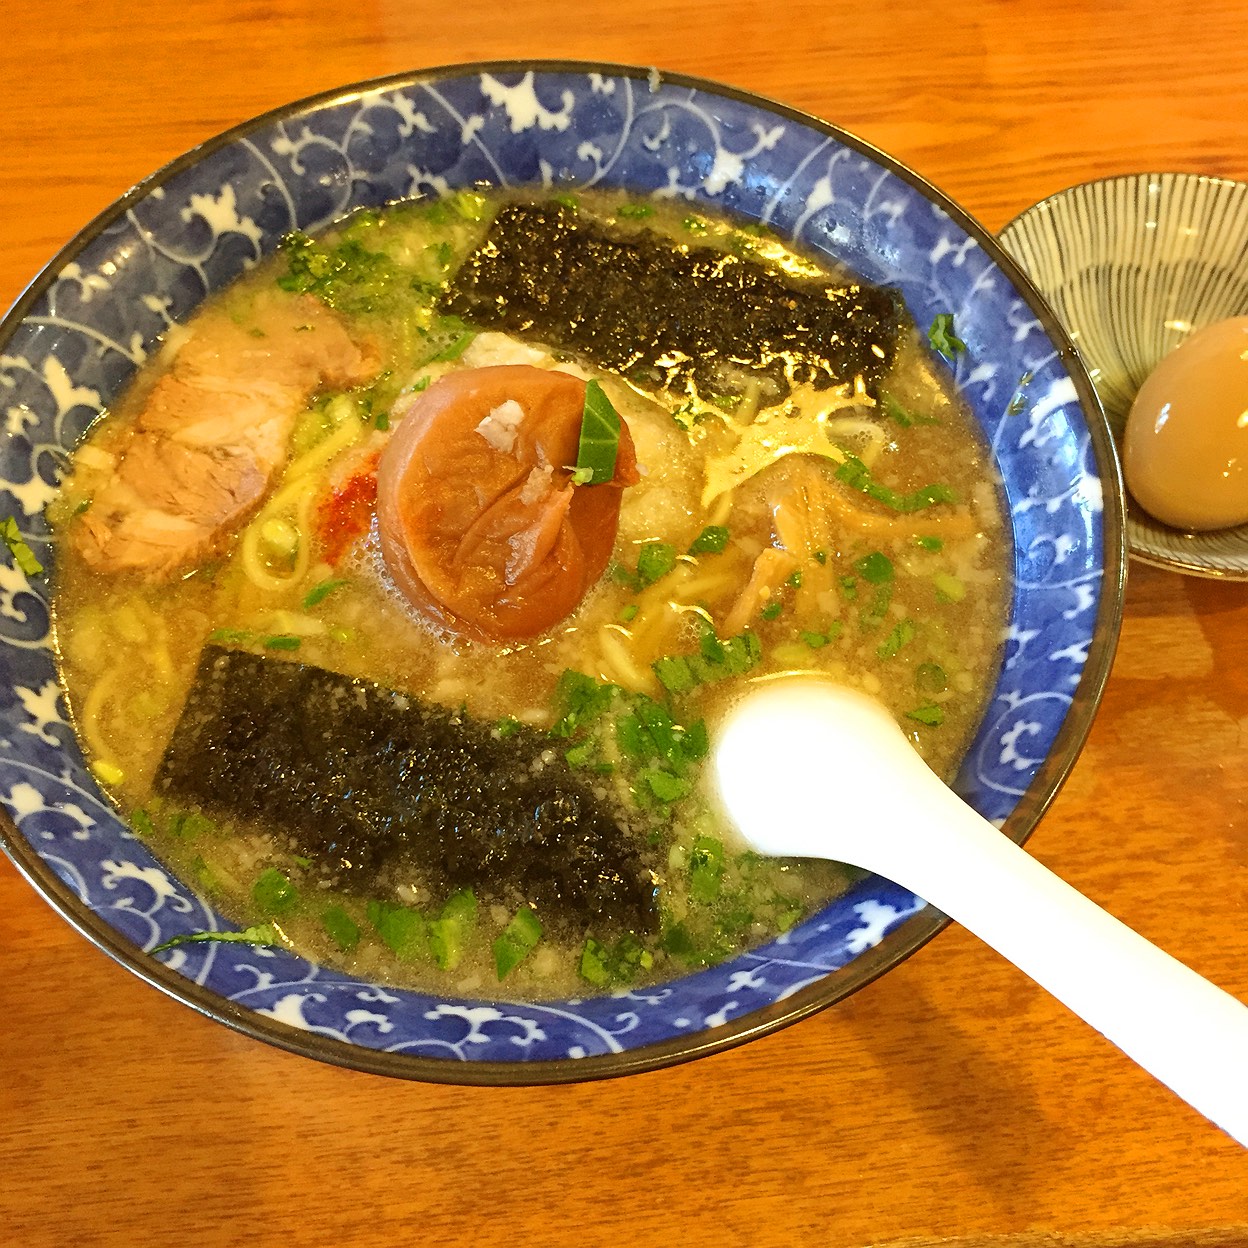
(875, 568)
(821, 557)
(711, 541)
(930, 678)
(634, 211)
(930, 543)
(283, 641)
(666, 787)
(506, 727)
(141, 822)
(772, 610)
(449, 931)
(343, 930)
(402, 928)
(421, 383)
(22, 554)
(942, 337)
(582, 476)
(582, 755)
(519, 938)
(654, 560)
(795, 581)
(901, 635)
(570, 202)
(594, 963)
(261, 934)
(816, 641)
(628, 613)
(320, 591)
(188, 825)
(273, 893)
(674, 674)
(230, 636)
(695, 225)
(854, 473)
(931, 714)
(706, 869)
(471, 205)
(600, 437)
(107, 773)
(948, 587)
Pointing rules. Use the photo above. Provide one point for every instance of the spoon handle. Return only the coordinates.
(1180, 1027)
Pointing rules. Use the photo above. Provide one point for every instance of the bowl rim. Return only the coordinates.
(1176, 174)
(909, 936)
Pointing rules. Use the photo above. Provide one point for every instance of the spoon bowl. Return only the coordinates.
(793, 743)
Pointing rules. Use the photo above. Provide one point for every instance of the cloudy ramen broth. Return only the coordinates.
(733, 560)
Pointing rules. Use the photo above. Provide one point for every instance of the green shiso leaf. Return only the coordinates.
(600, 437)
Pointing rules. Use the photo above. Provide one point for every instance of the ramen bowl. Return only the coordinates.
(1133, 266)
(78, 334)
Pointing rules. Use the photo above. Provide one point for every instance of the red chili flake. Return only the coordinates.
(348, 511)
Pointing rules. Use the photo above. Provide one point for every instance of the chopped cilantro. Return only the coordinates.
(506, 727)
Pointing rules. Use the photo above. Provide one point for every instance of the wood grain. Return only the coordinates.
(951, 1102)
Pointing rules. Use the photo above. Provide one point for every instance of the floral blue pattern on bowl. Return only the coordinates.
(76, 337)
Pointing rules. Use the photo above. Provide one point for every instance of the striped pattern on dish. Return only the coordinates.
(1131, 266)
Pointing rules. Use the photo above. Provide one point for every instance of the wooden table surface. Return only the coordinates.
(950, 1102)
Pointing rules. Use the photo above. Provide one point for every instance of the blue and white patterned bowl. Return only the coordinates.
(1134, 265)
(76, 336)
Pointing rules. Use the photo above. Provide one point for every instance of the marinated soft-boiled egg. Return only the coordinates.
(1185, 452)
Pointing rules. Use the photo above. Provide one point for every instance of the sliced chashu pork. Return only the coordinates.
(213, 433)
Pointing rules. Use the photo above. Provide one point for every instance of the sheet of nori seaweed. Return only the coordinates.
(369, 783)
(666, 315)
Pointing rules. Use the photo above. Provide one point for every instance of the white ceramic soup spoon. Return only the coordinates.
(807, 768)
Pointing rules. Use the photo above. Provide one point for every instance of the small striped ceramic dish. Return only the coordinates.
(1131, 266)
